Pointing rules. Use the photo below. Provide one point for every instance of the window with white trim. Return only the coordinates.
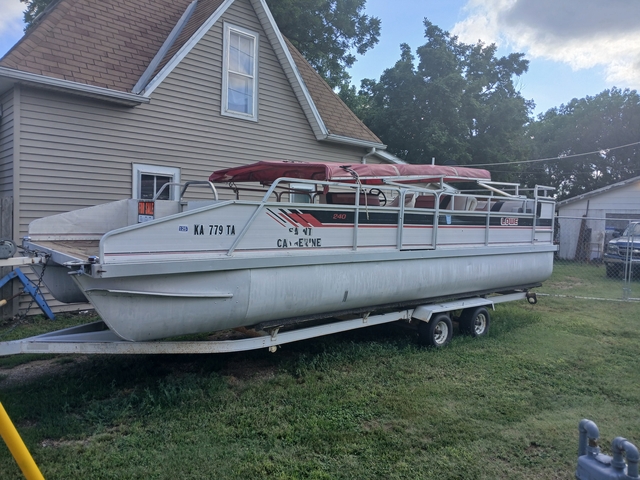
(240, 73)
(149, 179)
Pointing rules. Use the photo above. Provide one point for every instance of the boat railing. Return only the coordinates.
(439, 202)
(185, 186)
(443, 204)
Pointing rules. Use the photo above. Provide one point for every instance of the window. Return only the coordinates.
(239, 76)
(149, 179)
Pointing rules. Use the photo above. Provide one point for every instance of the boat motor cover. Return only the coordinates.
(372, 174)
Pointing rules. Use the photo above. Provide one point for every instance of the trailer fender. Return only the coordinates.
(425, 312)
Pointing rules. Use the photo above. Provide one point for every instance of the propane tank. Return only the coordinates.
(593, 465)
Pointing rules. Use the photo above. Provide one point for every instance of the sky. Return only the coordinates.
(576, 48)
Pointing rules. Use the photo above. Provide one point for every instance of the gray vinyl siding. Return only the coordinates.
(6, 193)
(6, 145)
(77, 152)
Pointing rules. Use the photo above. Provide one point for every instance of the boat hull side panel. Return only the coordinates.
(161, 306)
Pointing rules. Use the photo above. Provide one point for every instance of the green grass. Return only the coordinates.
(586, 280)
(369, 404)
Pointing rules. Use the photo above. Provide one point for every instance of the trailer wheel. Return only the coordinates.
(475, 321)
(437, 332)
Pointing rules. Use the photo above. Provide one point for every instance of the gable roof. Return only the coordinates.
(101, 43)
(338, 118)
(599, 191)
(109, 46)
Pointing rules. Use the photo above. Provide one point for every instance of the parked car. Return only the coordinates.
(623, 252)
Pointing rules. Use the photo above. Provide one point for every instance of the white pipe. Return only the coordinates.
(371, 152)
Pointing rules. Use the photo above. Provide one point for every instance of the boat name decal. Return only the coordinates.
(300, 243)
(509, 221)
(304, 241)
(301, 231)
(199, 229)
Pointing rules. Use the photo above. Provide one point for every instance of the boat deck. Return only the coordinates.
(78, 249)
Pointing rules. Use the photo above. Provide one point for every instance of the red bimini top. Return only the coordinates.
(371, 174)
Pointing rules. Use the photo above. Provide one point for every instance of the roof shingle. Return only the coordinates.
(105, 43)
(110, 44)
(337, 117)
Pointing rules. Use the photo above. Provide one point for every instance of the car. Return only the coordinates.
(623, 253)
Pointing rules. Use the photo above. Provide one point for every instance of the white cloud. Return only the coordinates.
(11, 24)
(11, 18)
(580, 33)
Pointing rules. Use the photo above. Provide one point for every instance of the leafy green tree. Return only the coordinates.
(327, 32)
(34, 8)
(592, 124)
(455, 102)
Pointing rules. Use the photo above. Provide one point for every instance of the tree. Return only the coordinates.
(458, 104)
(591, 124)
(327, 32)
(34, 8)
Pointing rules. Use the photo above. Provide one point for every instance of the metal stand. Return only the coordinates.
(29, 287)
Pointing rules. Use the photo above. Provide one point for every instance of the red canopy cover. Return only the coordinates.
(269, 171)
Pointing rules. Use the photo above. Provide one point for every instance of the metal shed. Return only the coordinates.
(588, 221)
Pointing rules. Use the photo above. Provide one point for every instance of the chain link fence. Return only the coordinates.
(597, 258)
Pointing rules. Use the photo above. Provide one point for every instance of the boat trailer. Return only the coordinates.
(96, 338)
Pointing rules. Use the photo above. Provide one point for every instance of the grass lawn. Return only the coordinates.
(587, 280)
(369, 404)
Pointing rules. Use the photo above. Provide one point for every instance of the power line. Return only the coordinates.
(602, 150)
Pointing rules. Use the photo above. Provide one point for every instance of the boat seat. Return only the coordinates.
(472, 203)
(349, 198)
(409, 201)
(425, 201)
(511, 206)
(458, 202)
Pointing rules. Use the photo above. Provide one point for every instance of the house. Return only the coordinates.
(587, 222)
(103, 100)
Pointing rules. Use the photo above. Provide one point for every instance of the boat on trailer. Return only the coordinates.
(281, 245)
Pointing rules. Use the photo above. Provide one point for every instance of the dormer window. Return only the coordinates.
(240, 73)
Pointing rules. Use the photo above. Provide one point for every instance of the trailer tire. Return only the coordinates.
(437, 332)
(475, 321)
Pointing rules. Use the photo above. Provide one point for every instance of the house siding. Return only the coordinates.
(624, 200)
(6, 145)
(77, 152)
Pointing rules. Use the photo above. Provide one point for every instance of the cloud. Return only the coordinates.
(581, 33)
(11, 18)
